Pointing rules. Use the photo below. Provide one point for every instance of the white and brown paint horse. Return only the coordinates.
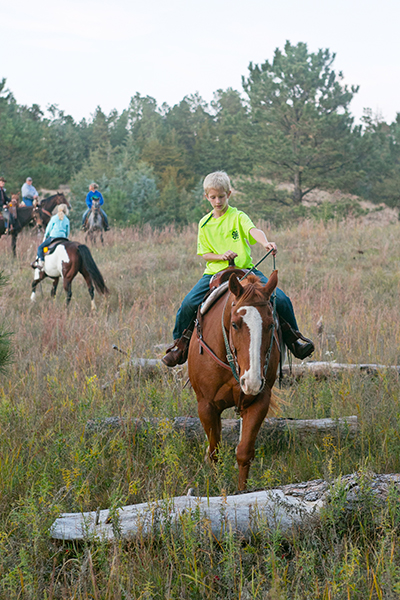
(67, 260)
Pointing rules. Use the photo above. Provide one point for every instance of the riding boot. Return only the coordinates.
(300, 349)
(177, 353)
(38, 263)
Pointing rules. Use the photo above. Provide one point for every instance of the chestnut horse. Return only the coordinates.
(25, 214)
(67, 260)
(244, 317)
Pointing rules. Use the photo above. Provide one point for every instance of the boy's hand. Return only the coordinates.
(271, 246)
(229, 255)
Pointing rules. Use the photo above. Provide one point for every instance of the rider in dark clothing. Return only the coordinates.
(4, 202)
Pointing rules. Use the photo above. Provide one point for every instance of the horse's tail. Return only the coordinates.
(91, 267)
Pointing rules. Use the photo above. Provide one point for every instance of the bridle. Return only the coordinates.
(231, 354)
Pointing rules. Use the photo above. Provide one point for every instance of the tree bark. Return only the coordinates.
(297, 193)
(286, 508)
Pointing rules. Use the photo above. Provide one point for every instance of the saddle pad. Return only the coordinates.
(213, 297)
(54, 243)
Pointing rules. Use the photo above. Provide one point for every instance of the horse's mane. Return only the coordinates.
(253, 290)
(50, 198)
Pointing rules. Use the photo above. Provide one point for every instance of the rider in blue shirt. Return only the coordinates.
(94, 193)
(29, 192)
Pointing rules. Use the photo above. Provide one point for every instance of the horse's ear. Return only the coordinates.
(235, 286)
(271, 283)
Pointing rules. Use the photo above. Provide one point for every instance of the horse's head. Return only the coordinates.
(96, 205)
(61, 199)
(251, 328)
(15, 200)
(38, 217)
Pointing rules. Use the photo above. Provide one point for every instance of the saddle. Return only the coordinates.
(53, 245)
(219, 284)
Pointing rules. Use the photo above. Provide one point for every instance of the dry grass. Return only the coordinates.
(345, 272)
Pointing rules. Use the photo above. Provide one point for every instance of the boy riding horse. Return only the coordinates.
(224, 235)
(92, 194)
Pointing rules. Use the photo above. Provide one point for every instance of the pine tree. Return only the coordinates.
(301, 126)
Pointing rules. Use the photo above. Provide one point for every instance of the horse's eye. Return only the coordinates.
(235, 325)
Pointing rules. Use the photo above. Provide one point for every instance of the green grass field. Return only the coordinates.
(347, 273)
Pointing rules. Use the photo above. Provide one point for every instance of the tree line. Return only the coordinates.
(291, 123)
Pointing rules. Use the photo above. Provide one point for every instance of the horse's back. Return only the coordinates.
(56, 262)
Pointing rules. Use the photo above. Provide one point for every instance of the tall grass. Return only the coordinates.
(346, 273)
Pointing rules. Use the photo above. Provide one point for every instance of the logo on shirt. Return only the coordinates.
(235, 234)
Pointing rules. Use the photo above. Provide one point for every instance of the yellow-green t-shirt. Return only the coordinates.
(229, 232)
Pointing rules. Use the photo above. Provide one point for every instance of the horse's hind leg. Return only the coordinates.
(54, 288)
(253, 416)
(210, 418)
(68, 290)
(89, 284)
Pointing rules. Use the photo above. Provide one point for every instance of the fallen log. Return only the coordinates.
(192, 428)
(317, 368)
(324, 369)
(286, 508)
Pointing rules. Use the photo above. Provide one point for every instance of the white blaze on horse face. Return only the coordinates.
(251, 380)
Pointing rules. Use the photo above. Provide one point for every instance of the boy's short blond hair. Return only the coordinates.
(217, 181)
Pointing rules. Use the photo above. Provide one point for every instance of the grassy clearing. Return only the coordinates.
(345, 272)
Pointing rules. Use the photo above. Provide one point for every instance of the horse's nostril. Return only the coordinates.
(242, 381)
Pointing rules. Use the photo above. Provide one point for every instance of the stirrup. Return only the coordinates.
(177, 353)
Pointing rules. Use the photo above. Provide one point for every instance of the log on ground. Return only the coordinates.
(317, 368)
(192, 428)
(286, 508)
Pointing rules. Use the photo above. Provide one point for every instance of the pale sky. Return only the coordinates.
(83, 53)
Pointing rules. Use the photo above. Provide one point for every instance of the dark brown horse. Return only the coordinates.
(244, 316)
(40, 213)
(67, 260)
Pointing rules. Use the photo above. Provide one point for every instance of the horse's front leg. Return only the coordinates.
(39, 276)
(252, 418)
(14, 244)
(210, 418)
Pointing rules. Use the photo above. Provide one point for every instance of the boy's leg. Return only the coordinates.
(105, 219)
(85, 214)
(290, 331)
(184, 319)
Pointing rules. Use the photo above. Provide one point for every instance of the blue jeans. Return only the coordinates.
(188, 309)
(85, 214)
(28, 201)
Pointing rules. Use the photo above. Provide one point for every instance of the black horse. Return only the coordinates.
(41, 213)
